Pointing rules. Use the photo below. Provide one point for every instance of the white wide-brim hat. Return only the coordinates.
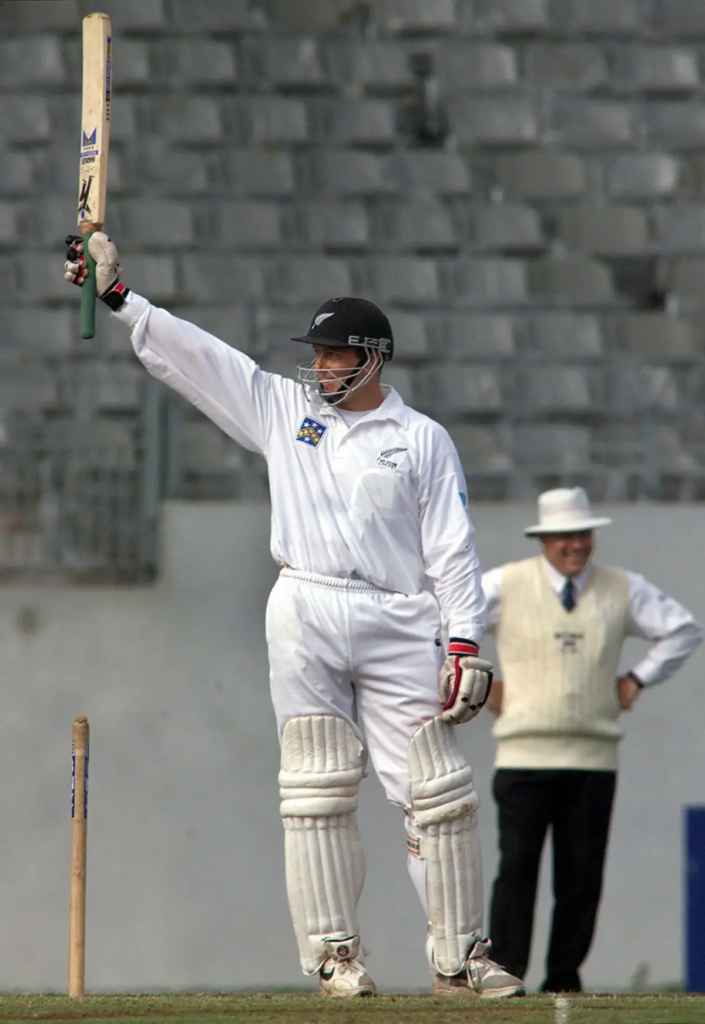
(565, 510)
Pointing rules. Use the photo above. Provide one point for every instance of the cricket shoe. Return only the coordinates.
(342, 975)
(480, 976)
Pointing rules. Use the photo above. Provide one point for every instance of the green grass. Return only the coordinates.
(298, 1008)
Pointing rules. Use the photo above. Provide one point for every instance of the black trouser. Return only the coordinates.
(576, 806)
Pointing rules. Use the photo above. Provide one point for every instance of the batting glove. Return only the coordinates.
(107, 267)
(464, 682)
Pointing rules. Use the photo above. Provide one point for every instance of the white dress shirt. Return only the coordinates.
(382, 499)
(653, 615)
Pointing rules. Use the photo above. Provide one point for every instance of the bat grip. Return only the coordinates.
(88, 293)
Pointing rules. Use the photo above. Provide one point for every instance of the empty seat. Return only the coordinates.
(289, 63)
(174, 169)
(440, 172)
(641, 175)
(660, 69)
(153, 223)
(219, 277)
(316, 15)
(401, 378)
(598, 17)
(478, 336)
(375, 65)
(681, 229)
(571, 279)
(413, 16)
(462, 66)
(419, 221)
(206, 449)
(31, 61)
(604, 230)
(348, 172)
(638, 388)
(490, 282)
(275, 326)
(210, 15)
(594, 123)
(258, 172)
(507, 227)
(648, 447)
(405, 279)
(248, 224)
(563, 335)
(330, 224)
(651, 335)
(195, 61)
(511, 16)
(481, 449)
(554, 389)
(467, 391)
(684, 18)
(493, 121)
(680, 125)
(272, 119)
(93, 443)
(311, 278)
(561, 447)
(30, 331)
(26, 385)
(541, 174)
(361, 122)
(414, 337)
(97, 386)
(568, 66)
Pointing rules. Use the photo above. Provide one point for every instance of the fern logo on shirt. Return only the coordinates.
(389, 457)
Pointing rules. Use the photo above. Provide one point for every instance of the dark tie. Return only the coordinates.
(568, 595)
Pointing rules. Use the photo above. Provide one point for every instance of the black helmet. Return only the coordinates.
(347, 322)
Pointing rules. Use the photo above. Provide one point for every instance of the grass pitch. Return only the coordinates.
(387, 1009)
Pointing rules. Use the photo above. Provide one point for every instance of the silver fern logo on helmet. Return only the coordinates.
(318, 320)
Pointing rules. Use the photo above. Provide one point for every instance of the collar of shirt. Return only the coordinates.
(557, 579)
(392, 408)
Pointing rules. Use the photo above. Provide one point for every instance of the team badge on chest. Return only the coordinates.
(311, 432)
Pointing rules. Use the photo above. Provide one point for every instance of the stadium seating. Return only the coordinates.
(520, 184)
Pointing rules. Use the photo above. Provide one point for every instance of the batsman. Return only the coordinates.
(370, 527)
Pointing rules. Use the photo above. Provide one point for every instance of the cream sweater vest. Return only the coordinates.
(560, 704)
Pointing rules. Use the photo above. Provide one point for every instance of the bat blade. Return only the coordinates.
(95, 144)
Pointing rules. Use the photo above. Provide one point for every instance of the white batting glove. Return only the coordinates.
(107, 267)
(464, 682)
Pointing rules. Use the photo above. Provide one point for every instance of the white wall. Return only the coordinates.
(185, 880)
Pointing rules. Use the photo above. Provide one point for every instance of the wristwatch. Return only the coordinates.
(637, 680)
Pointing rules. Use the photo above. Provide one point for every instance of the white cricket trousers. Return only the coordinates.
(343, 647)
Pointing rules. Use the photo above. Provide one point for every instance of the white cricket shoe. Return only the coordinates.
(342, 974)
(480, 977)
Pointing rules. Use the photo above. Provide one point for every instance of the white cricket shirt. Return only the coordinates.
(382, 500)
(653, 616)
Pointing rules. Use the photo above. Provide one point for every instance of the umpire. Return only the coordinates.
(560, 621)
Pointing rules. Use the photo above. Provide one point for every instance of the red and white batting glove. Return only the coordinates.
(107, 267)
(464, 682)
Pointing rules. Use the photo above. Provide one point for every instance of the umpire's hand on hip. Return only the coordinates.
(464, 682)
(107, 267)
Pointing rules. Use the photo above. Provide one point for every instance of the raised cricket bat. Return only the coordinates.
(95, 142)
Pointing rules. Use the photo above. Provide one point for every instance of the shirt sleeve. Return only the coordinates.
(492, 589)
(226, 385)
(449, 554)
(655, 616)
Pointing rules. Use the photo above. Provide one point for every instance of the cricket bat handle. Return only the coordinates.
(88, 292)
